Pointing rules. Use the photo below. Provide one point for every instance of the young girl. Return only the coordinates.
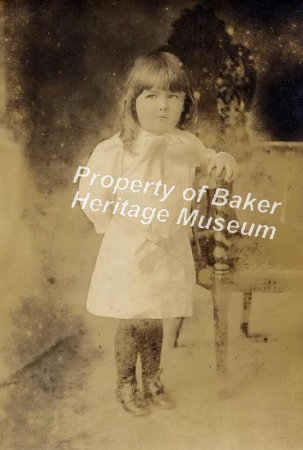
(144, 271)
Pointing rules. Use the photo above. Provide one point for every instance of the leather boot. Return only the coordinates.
(154, 390)
(131, 399)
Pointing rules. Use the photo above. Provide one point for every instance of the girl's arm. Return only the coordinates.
(224, 162)
(207, 158)
(106, 159)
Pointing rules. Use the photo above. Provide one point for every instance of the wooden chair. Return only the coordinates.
(284, 162)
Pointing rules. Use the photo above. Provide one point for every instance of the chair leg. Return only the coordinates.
(246, 314)
(247, 300)
(221, 295)
(178, 331)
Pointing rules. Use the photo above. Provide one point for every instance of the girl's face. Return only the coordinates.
(159, 110)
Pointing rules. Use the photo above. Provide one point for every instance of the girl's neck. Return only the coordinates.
(143, 132)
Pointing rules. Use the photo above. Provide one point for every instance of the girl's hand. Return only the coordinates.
(224, 162)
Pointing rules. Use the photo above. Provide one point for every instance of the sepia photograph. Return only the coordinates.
(152, 222)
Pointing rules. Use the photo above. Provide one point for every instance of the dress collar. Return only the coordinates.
(145, 133)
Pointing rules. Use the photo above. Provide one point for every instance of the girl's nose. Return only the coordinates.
(163, 103)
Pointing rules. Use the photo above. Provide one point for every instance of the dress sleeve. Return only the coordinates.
(106, 159)
(203, 155)
(200, 155)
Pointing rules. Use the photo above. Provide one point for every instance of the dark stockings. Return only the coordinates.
(136, 336)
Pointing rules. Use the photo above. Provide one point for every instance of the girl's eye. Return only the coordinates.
(151, 96)
(173, 96)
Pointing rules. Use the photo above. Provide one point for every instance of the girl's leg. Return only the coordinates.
(150, 338)
(149, 341)
(126, 352)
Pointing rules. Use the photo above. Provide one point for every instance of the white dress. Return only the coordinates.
(144, 270)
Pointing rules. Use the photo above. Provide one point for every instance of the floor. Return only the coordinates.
(66, 401)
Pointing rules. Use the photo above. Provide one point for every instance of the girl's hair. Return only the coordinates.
(162, 70)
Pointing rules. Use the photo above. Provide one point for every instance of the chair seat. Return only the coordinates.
(271, 279)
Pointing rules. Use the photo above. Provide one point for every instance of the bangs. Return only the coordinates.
(166, 72)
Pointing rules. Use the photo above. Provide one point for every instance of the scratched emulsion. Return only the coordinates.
(64, 64)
